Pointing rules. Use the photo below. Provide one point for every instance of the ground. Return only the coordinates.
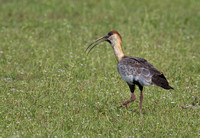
(50, 87)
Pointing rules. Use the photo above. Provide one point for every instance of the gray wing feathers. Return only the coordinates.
(139, 68)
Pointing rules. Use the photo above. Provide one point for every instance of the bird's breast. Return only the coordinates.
(127, 73)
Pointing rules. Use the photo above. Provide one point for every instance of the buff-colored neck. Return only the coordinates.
(119, 54)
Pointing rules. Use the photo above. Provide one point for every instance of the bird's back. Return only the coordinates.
(138, 70)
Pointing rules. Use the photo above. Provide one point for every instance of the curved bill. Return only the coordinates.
(101, 38)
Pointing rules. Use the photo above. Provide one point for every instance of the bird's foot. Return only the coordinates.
(123, 105)
(127, 102)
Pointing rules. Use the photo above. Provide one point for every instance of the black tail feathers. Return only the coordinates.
(168, 87)
(161, 81)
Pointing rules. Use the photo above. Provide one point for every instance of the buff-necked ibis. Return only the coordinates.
(133, 70)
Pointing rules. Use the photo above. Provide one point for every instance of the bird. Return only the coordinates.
(135, 71)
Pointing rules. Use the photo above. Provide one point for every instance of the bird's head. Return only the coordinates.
(113, 37)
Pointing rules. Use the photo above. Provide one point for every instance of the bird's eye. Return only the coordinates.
(110, 33)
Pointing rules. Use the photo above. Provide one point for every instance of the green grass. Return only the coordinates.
(49, 87)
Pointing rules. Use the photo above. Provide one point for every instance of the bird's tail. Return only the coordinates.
(161, 81)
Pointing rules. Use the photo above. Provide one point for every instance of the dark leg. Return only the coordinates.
(132, 88)
(141, 96)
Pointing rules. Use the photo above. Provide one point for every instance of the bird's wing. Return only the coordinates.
(143, 63)
(141, 70)
(144, 72)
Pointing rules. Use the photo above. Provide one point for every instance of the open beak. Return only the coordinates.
(99, 40)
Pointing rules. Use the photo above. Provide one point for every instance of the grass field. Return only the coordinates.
(50, 87)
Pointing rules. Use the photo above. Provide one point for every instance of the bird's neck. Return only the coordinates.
(117, 47)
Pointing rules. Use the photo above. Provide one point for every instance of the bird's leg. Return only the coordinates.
(141, 97)
(131, 100)
(132, 88)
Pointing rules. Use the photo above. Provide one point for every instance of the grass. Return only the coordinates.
(49, 87)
